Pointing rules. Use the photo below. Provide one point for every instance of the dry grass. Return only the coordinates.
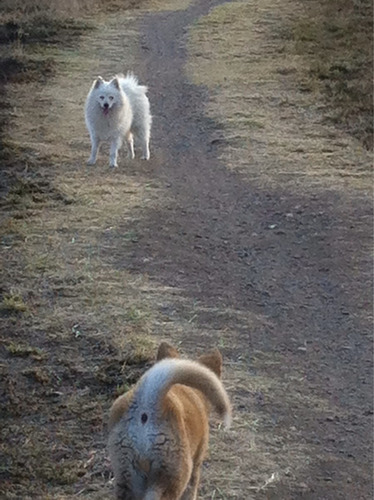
(335, 39)
(241, 52)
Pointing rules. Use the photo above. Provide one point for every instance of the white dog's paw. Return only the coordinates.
(91, 162)
(145, 152)
(113, 165)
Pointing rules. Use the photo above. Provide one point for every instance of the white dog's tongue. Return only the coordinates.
(105, 111)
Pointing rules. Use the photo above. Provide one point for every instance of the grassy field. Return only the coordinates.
(77, 329)
(335, 39)
(319, 62)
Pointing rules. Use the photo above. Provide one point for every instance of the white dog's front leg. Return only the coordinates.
(146, 153)
(114, 147)
(143, 137)
(94, 150)
(130, 145)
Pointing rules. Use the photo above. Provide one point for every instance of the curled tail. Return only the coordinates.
(131, 81)
(156, 382)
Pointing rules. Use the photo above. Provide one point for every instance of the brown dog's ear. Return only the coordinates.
(119, 407)
(213, 360)
(115, 83)
(98, 82)
(166, 350)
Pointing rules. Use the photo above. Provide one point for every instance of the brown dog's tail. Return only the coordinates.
(156, 382)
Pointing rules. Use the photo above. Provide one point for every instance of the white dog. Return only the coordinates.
(115, 110)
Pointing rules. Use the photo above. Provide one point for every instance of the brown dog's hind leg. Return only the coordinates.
(193, 485)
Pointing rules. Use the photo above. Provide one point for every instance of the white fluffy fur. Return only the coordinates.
(118, 109)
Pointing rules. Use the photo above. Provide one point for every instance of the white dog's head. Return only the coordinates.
(107, 94)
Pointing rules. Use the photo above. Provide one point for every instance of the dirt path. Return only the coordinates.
(182, 248)
(296, 262)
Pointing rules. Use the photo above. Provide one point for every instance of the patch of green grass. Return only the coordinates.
(135, 315)
(131, 236)
(13, 304)
(243, 120)
(24, 350)
(38, 374)
(122, 389)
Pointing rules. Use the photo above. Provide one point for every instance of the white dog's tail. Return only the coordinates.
(130, 81)
(156, 382)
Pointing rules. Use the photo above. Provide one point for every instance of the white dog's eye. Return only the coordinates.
(101, 97)
(111, 98)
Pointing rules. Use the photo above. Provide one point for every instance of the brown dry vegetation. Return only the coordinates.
(335, 39)
(76, 330)
(323, 51)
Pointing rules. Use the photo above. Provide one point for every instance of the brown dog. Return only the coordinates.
(159, 430)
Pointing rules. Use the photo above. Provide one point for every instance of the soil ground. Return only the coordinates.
(271, 265)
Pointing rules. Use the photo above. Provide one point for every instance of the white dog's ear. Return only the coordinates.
(98, 82)
(115, 83)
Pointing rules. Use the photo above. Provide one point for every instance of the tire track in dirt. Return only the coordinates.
(218, 243)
